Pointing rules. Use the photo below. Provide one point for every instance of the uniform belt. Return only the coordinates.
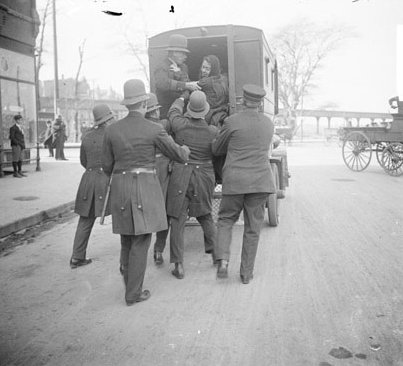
(198, 162)
(95, 168)
(135, 171)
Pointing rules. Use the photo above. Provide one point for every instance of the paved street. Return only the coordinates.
(327, 287)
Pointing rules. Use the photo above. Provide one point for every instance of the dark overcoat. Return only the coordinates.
(246, 137)
(162, 163)
(137, 202)
(169, 84)
(16, 137)
(198, 136)
(94, 182)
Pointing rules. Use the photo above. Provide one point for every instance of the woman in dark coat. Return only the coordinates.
(59, 137)
(93, 186)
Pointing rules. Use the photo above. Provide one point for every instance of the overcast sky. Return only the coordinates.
(360, 76)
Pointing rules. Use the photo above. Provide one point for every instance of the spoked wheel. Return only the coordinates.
(357, 151)
(392, 159)
(380, 146)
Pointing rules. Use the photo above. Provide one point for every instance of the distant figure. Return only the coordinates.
(17, 145)
(59, 137)
(48, 143)
(171, 77)
(93, 186)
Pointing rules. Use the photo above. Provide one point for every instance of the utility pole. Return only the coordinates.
(56, 83)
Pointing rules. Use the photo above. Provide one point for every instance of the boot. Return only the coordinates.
(178, 272)
(222, 269)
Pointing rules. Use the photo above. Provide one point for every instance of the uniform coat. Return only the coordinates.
(137, 202)
(169, 84)
(246, 137)
(94, 182)
(198, 136)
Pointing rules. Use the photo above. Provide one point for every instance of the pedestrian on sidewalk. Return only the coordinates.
(59, 137)
(48, 139)
(162, 164)
(137, 202)
(191, 186)
(247, 179)
(17, 145)
(93, 186)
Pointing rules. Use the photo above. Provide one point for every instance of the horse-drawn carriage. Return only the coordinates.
(359, 143)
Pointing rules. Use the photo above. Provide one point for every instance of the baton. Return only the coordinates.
(108, 190)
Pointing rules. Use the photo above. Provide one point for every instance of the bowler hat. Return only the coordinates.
(102, 113)
(177, 42)
(152, 102)
(134, 91)
(198, 106)
(17, 117)
(253, 93)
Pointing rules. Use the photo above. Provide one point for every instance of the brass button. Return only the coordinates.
(197, 167)
(124, 173)
(137, 172)
(122, 208)
(84, 198)
(139, 206)
(101, 169)
(100, 197)
(179, 191)
(186, 163)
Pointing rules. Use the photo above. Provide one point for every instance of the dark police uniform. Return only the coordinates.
(137, 202)
(92, 189)
(247, 178)
(191, 186)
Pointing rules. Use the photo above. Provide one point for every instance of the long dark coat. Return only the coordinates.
(246, 137)
(198, 136)
(137, 202)
(169, 84)
(16, 137)
(94, 182)
(162, 163)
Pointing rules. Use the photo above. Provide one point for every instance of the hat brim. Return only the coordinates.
(104, 119)
(199, 114)
(178, 49)
(153, 108)
(134, 100)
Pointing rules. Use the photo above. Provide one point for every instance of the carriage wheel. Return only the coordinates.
(272, 200)
(357, 151)
(392, 159)
(380, 146)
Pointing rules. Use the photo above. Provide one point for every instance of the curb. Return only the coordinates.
(35, 219)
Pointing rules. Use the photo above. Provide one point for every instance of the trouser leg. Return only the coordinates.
(253, 218)
(161, 239)
(50, 150)
(15, 165)
(125, 243)
(19, 165)
(82, 236)
(137, 263)
(228, 214)
(209, 231)
(176, 240)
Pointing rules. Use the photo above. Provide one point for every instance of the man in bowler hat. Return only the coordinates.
(137, 202)
(162, 164)
(91, 192)
(247, 179)
(171, 76)
(191, 186)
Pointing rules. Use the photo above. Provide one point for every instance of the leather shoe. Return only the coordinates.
(158, 258)
(222, 269)
(74, 263)
(145, 295)
(246, 279)
(16, 175)
(22, 174)
(178, 272)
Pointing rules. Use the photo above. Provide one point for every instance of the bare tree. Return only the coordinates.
(76, 84)
(301, 49)
(137, 51)
(39, 47)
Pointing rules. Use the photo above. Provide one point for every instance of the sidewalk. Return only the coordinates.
(41, 195)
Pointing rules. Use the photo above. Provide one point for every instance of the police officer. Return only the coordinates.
(171, 76)
(94, 182)
(191, 186)
(247, 179)
(162, 164)
(137, 202)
